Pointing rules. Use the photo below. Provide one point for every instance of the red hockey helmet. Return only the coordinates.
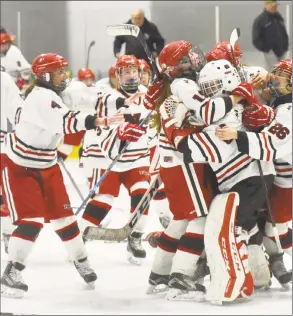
(5, 43)
(43, 65)
(85, 73)
(143, 65)
(112, 71)
(128, 83)
(280, 82)
(180, 59)
(48, 63)
(5, 38)
(222, 50)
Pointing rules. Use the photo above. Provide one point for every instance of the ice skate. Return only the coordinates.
(279, 270)
(201, 271)
(158, 283)
(184, 288)
(135, 251)
(12, 283)
(86, 272)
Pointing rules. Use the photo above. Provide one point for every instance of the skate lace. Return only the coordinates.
(278, 266)
(83, 267)
(16, 275)
(135, 243)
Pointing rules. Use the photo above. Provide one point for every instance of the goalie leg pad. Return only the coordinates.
(224, 258)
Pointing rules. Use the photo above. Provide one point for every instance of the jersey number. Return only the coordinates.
(279, 130)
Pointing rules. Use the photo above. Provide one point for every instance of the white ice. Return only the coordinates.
(55, 287)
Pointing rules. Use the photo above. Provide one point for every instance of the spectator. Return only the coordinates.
(154, 39)
(269, 34)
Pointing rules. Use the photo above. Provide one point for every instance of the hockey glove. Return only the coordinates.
(245, 90)
(257, 115)
(153, 94)
(130, 132)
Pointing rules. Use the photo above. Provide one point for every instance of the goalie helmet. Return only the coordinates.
(181, 60)
(127, 72)
(44, 65)
(218, 78)
(280, 82)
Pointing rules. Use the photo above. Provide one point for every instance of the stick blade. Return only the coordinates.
(123, 29)
(99, 233)
(234, 36)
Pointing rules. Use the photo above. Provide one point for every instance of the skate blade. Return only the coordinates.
(157, 289)
(133, 260)
(8, 292)
(287, 287)
(179, 295)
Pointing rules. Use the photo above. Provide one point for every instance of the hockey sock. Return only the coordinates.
(68, 231)
(22, 240)
(190, 247)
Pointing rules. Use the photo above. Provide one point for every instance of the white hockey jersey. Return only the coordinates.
(11, 104)
(274, 143)
(15, 63)
(229, 164)
(103, 145)
(77, 96)
(103, 85)
(43, 122)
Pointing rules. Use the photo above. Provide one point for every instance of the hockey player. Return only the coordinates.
(145, 73)
(274, 143)
(11, 104)
(228, 280)
(34, 190)
(13, 62)
(106, 85)
(132, 169)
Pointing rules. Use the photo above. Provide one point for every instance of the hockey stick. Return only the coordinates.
(119, 234)
(60, 160)
(133, 30)
(92, 43)
(233, 39)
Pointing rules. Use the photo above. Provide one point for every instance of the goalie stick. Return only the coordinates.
(92, 43)
(233, 39)
(116, 30)
(119, 234)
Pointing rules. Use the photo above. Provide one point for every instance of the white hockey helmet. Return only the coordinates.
(218, 78)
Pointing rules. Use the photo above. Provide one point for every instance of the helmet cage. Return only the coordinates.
(131, 85)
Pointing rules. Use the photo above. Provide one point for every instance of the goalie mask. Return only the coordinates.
(218, 78)
(181, 60)
(128, 73)
(280, 82)
(51, 72)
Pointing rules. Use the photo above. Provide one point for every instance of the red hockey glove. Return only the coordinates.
(257, 115)
(152, 96)
(245, 90)
(129, 131)
(153, 238)
(175, 135)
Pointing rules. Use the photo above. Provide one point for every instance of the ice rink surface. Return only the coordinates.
(55, 287)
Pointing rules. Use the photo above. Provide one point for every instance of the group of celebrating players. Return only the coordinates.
(219, 136)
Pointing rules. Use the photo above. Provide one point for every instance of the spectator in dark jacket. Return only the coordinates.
(154, 39)
(269, 34)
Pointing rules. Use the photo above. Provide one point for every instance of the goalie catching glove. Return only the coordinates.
(130, 132)
(174, 114)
